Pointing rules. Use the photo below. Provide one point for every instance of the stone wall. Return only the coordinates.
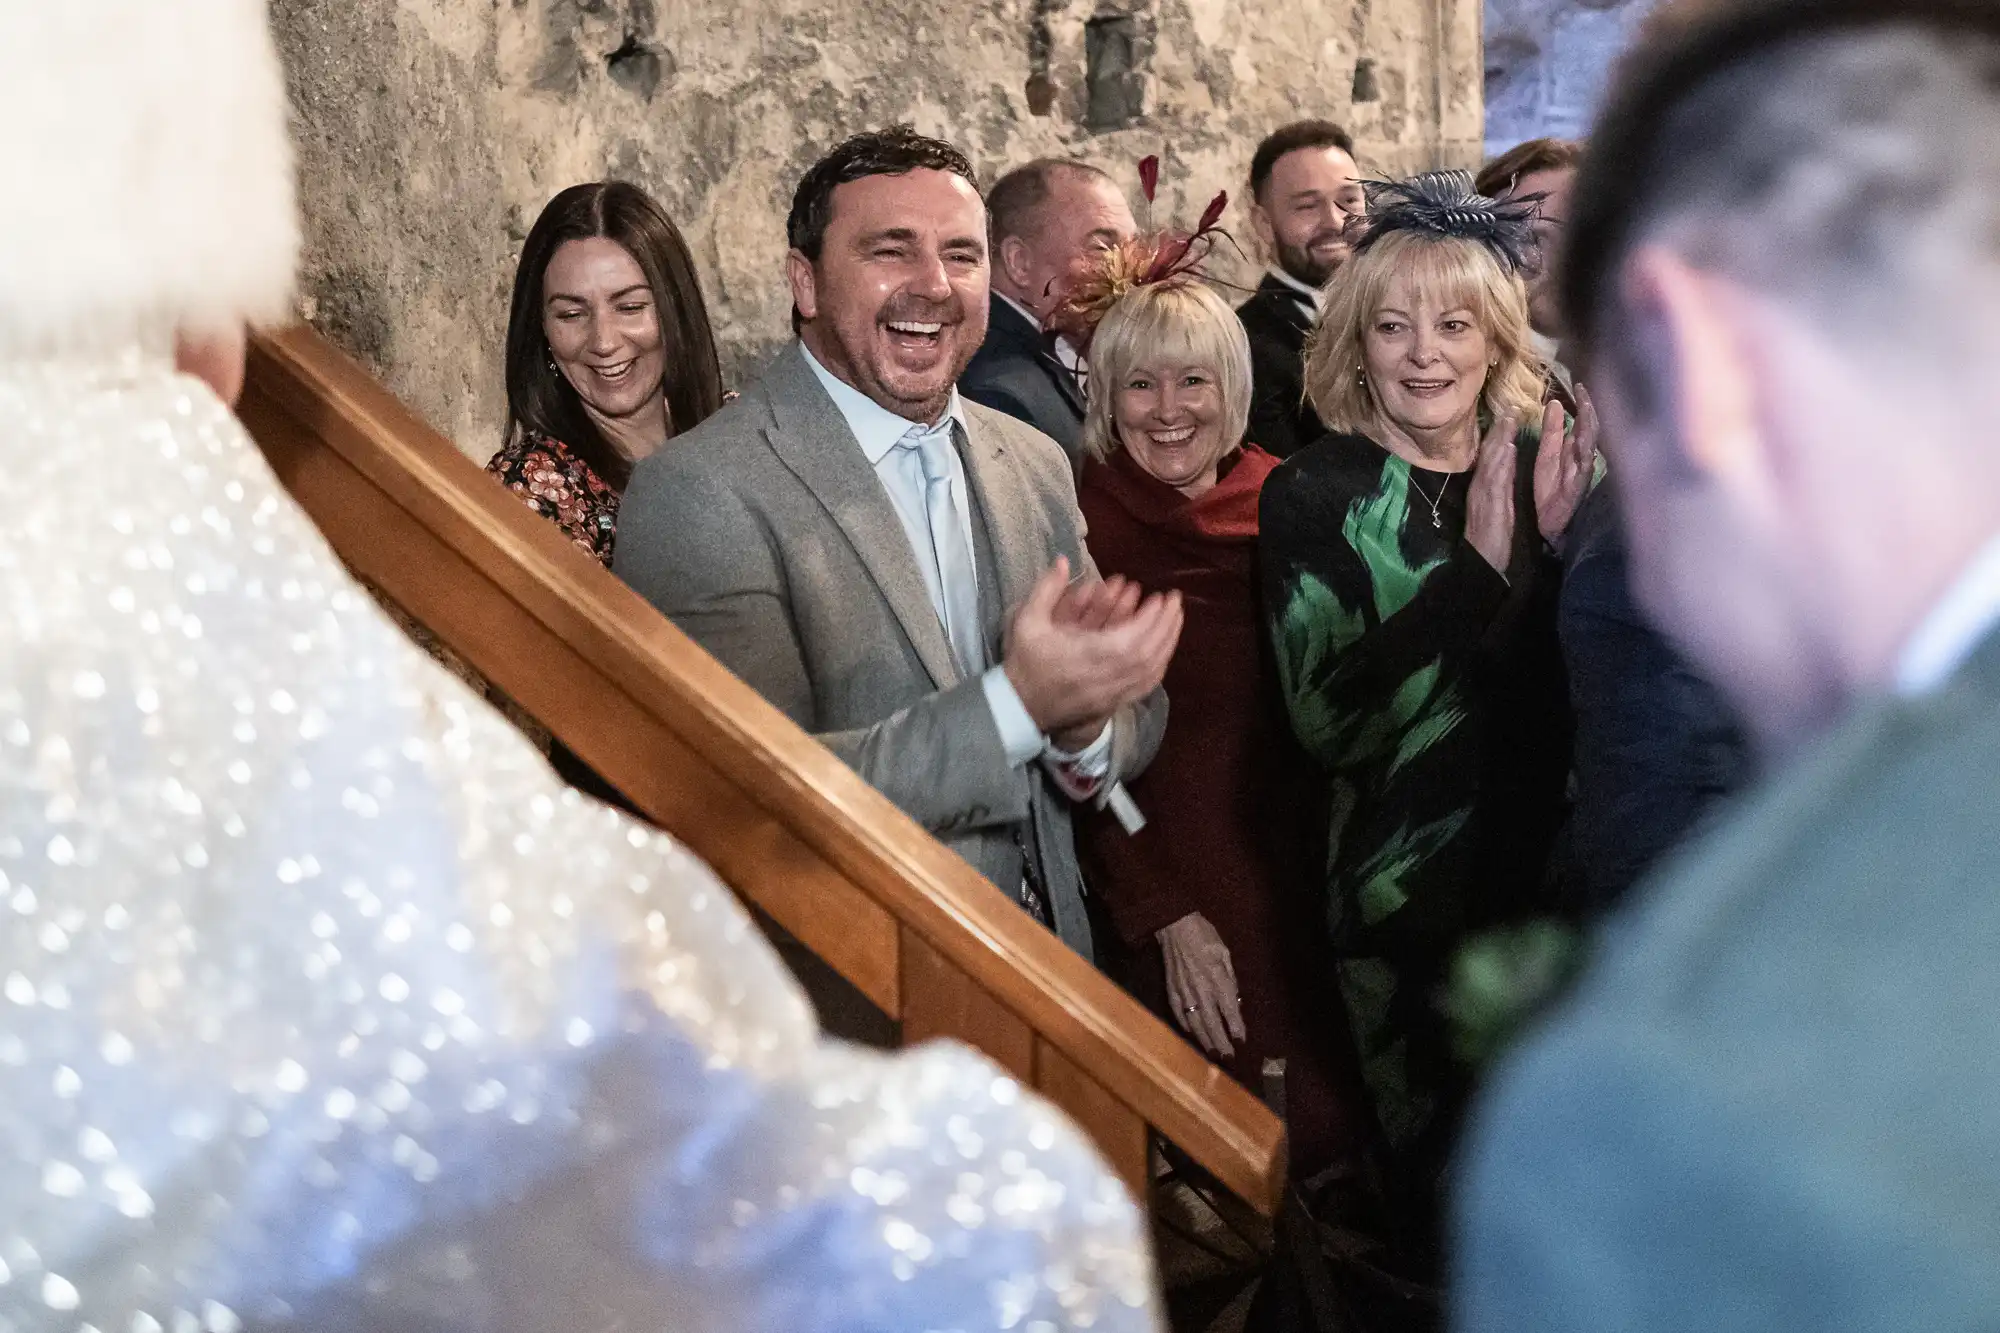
(1547, 62)
(432, 131)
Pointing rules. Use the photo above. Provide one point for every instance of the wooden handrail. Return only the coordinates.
(784, 822)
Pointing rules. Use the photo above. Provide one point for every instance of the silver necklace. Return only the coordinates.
(1436, 520)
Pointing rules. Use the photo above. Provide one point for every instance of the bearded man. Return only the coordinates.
(1304, 190)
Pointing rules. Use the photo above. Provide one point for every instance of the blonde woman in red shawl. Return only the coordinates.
(1213, 903)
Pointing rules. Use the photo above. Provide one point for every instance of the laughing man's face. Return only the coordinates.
(896, 303)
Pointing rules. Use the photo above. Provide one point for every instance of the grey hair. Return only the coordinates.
(1014, 204)
(1855, 174)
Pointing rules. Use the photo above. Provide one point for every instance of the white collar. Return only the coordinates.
(875, 427)
(1020, 309)
(1311, 293)
(1954, 628)
(1065, 354)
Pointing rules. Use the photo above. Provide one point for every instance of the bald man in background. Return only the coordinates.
(1047, 221)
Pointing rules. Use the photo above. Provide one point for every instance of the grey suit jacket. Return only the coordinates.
(1775, 1102)
(767, 537)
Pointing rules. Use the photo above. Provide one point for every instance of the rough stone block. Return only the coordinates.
(433, 131)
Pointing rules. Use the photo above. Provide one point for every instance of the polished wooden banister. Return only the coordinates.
(791, 828)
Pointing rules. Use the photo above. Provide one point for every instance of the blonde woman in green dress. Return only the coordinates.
(1410, 580)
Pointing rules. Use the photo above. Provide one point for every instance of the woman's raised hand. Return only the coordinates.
(1489, 508)
(1563, 472)
(1201, 984)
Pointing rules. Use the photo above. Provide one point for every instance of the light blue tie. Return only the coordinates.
(957, 576)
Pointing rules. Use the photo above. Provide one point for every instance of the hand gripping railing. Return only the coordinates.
(784, 822)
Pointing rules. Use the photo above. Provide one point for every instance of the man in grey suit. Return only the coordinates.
(1775, 1101)
(892, 566)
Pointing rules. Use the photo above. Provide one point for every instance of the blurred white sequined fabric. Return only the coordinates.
(324, 1005)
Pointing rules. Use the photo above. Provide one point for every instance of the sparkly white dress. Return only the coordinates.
(326, 1006)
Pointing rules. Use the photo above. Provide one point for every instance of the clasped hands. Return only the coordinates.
(1078, 652)
(1563, 468)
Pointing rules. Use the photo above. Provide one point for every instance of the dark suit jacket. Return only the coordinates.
(1013, 372)
(1774, 1101)
(1281, 420)
(1656, 746)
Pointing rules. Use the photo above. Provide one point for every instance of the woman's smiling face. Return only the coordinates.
(1169, 419)
(1427, 359)
(603, 328)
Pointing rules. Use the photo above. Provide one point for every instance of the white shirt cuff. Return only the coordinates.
(1092, 761)
(1081, 775)
(1019, 736)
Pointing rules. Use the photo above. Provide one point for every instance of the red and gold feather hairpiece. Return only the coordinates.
(1163, 256)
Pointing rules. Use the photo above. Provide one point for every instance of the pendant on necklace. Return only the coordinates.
(1436, 522)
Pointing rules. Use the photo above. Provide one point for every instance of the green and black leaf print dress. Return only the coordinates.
(1430, 690)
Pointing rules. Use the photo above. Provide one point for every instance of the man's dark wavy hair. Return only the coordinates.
(896, 151)
(1288, 139)
(1689, 46)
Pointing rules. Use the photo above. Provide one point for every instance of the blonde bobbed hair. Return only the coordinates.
(1180, 320)
(1448, 271)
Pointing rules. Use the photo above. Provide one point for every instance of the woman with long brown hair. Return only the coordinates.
(609, 355)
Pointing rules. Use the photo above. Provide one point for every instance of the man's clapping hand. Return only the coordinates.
(1097, 603)
(1076, 654)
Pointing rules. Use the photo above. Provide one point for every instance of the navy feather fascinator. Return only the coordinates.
(1445, 203)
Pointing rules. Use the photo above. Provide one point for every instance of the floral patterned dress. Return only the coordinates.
(557, 484)
(562, 488)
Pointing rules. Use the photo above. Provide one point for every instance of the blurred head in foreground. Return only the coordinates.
(1783, 267)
